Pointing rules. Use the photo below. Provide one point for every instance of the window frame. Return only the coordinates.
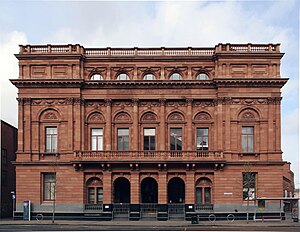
(176, 144)
(97, 139)
(123, 73)
(149, 139)
(248, 189)
(180, 76)
(247, 150)
(206, 136)
(53, 184)
(199, 74)
(122, 128)
(94, 74)
(146, 74)
(51, 150)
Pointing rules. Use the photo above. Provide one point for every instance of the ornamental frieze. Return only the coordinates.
(122, 104)
(203, 104)
(94, 104)
(48, 102)
(176, 104)
(141, 71)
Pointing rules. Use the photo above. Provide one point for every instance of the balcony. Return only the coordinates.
(147, 155)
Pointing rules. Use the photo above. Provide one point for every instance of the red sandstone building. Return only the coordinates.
(157, 132)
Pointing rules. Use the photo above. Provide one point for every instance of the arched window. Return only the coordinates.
(123, 77)
(96, 77)
(94, 191)
(175, 76)
(149, 77)
(202, 76)
(203, 191)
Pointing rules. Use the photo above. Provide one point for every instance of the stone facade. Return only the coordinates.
(223, 91)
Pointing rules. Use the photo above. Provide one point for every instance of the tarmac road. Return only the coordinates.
(10, 225)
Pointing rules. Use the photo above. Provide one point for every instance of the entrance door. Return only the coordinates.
(176, 198)
(121, 198)
(149, 194)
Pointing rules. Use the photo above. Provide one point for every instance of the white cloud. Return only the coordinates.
(9, 70)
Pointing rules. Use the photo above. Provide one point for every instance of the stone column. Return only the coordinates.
(162, 125)
(189, 120)
(108, 129)
(21, 125)
(135, 125)
(27, 124)
(77, 124)
(270, 135)
(107, 187)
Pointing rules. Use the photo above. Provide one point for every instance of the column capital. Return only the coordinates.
(135, 101)
(108, 101)
(162, 101)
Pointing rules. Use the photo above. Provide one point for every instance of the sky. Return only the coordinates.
(156, 24)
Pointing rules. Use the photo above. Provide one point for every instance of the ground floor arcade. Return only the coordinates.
(136, 191)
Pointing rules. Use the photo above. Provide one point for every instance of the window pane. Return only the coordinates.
(207, 196)
(96, 77)
(244, 143)
(176, 139)
(250, 143)
(175, 76)
(146, 143)
(100, 143)
(198, 195)
(149, 76)
(94, 143)
(126, 143)
(202, 76)
(120, 142)
(99, 195)
(49, 186)
(124, 131)
(91, 196)
(202, 139)
(123, 76)
(149, 132)
(97, 131)
(152, 143)
(54, 143)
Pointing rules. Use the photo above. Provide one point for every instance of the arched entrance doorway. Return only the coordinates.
(149, 190)
(176, 190)
(121, 190)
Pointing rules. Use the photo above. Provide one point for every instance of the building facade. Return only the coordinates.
(149, 132)
(8, 175)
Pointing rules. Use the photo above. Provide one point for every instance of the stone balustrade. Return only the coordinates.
(131, 52)
(148, 155)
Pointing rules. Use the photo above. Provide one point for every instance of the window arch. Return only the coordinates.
(97, 77)
(204, 191)
(94, 191)
(202, 76)
(149, 77)
(175, 76)
(123, 77)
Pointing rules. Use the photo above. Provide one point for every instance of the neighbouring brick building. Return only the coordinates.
(149, 132)
(8, 175)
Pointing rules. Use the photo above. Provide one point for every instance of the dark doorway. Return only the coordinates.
(149, 190)
(121, 190)
(176, 190)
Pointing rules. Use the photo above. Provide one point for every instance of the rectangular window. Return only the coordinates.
(97, 139)
(149, 139)
(202, 139)
(123, 139)
(49, 186)
(249, 185)
(175, 139)
(51, 139)
(4, 156)
(247, 139)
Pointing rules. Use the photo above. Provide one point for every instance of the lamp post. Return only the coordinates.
(13, 197)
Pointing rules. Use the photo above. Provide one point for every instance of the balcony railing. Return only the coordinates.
(129, 52)
(204, 207)
(93, 207)
(148, 155)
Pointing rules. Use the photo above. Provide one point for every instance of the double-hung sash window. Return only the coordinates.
(247, 139)
(49, 186)
(95, 195)
(202, 139)
(97, 139)
(149, 139)
(123, 139)
(175, 139)
(51, 139)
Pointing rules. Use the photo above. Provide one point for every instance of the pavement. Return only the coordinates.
(237, 223)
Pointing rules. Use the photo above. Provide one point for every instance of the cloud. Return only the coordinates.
(9, 70)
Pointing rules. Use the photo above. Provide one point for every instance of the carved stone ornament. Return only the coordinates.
(94, 182)
(50, 115)
(175, 117)
(202, 117)
(122, 117)
(248, 115)
(149, 117)
(96, 117)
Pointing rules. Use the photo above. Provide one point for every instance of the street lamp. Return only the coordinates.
(13, 197)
